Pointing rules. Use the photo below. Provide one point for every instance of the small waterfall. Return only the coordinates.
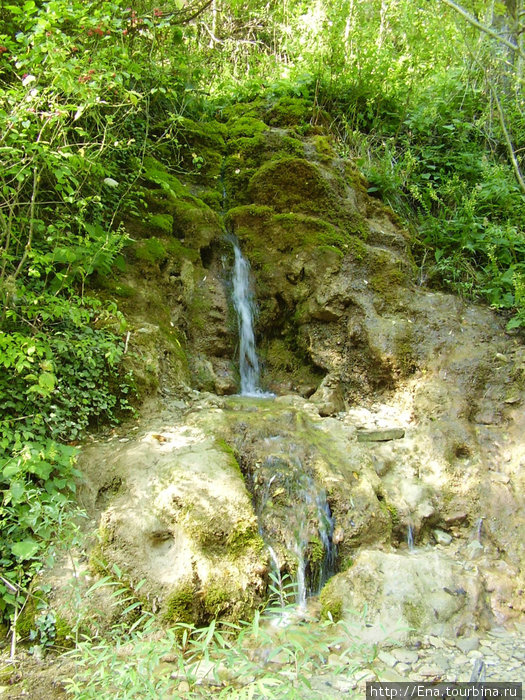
(294, 520)
(410, 539)
(479, 530)
(244, 303)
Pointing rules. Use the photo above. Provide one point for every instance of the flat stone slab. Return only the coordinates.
(380, 435)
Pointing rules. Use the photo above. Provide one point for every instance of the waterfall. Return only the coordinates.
(244, 303)
(294, 519)
(410, 539)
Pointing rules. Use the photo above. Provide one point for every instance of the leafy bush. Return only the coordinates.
(77, 101)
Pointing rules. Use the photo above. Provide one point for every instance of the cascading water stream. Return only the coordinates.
(243, 301)
(294, 520)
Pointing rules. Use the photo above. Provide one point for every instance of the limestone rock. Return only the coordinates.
(405, 593)
(380, 435)
(181, 520)
(328, 397)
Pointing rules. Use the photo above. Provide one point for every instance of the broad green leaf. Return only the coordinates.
(25, 549)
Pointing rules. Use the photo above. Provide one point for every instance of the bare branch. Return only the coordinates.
(483, 27)
(508, 141)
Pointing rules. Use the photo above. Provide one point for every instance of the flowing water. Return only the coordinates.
(294, 516)
(244, 304)
(410, 539)
(295, 521)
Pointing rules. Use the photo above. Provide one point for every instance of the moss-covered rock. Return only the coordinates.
(292, 185)
(161, 222)
(151, 250)
(156, 173)
(289, 111)
(245, 126)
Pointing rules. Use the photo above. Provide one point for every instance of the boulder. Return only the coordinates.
(409, 594)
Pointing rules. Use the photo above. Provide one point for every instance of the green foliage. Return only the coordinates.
(268, 657)
(37, 484)
(77, 100)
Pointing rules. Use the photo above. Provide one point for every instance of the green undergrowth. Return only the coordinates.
(275, 655)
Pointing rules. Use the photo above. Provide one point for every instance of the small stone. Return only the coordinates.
(435, 642)
(441, 661)
(392, 676)
(380, 435)
(387, 658)
(184, 687)
(467, 644)
(406, 656)
(429, 671)
(461, 660)
(403, 668)
(456, 517)
(442, 537)
(475, 654)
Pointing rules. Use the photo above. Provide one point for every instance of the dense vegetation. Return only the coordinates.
(427, 99)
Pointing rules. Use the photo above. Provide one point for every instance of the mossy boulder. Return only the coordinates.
(245, 126)
(182, 522)
(156, 173)
(292, 185)
(289, 111)
(195, 223)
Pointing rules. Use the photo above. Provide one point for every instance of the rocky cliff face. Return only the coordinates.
(407, 403)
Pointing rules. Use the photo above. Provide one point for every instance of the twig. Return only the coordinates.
(482, 27)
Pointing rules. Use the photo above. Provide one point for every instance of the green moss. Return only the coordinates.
(249, 108)
(280, 357)
(217, 600)
(223, 446)
(292, 185)
(244, 537)
(26, 619)
(177, 349)
(201, 148)
(387, 281)
(245, 126)
(394, 515)
(212, 198)
(181, 605)
(236, 179)
(156, 172)
(195, 222)
(209, 133)
(346, 563)
(152, 250)
(162, 222)
(331, 604)
(64, 633)
(253, 151)
(404, 348)
(178, 251)
(413, 613)
(268, 234)
(289, 111)
(315, 551)
(324, 149)
(356, 249)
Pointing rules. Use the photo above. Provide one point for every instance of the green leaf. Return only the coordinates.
(25, 549)
(41, 469)
(17, 490)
